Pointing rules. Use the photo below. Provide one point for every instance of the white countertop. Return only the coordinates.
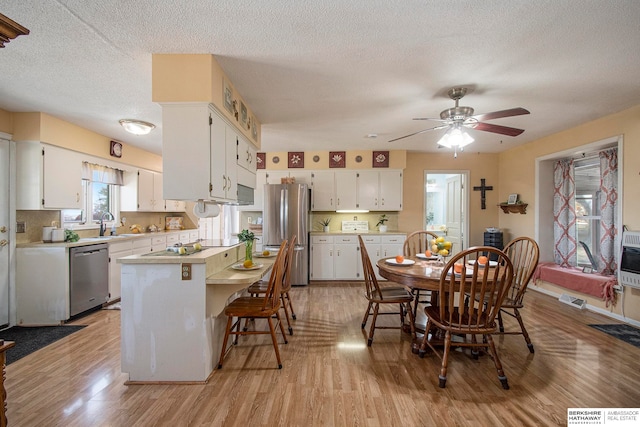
(100, 239)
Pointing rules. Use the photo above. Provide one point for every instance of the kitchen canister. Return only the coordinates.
(57, 235)
(46, 234)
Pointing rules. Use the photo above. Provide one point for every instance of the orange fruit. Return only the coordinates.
(247, 264)
(428, 253)
(457, 267)
(399, 259)
(482, 260)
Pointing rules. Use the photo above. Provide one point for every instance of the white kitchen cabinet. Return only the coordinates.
(347, 262)
(379, 190)
(141, 246)
(335, 258)
(175, 206)
(323, 191)
(117, 250)
(42, 291)
(224, 142)
(275, 177)
(390, 190)
(346, 190)
(48, 177)
(382, 247)
(391, 245)
(246, 154)
(159, 243)
(142, 192)
(322, 264)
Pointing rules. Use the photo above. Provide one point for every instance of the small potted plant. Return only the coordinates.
(381, 223)
(325, 224)
(247, 237)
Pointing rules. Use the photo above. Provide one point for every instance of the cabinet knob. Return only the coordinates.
(3, 229)
(4, 242)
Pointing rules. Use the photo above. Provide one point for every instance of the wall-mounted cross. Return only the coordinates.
(483, 189)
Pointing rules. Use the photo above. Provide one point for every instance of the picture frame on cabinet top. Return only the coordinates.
(228, 97)
(243, 113)
(254, 129)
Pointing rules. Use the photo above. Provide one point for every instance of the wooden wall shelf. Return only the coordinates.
(520, 208)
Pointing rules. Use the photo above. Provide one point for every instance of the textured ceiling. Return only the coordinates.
(325, 74)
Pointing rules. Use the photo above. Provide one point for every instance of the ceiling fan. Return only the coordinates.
(457, 118)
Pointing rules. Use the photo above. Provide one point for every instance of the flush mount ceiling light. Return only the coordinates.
(10, 29)
(137, 127)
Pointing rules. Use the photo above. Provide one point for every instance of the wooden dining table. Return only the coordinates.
(421, 275)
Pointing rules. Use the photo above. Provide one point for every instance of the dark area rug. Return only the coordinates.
(626, 333)
(29, 340)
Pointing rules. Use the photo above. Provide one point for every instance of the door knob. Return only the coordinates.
(3, 242)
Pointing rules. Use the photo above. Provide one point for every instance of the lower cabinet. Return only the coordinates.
(335, 258)
(382, 247)
(117, 250)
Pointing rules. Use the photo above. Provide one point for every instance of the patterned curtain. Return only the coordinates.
(564, 214)
(608, 202)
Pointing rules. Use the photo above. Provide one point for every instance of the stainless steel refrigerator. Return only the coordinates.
(286, 213)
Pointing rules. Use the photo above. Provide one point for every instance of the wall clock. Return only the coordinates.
(116, 149)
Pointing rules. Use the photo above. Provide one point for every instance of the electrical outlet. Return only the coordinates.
(21, 227)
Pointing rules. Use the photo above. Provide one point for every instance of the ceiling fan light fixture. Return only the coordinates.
(456, 138)
(137, 127)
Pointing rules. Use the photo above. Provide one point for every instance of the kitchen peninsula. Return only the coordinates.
(172, 320)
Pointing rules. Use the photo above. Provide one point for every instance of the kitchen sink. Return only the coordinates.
(131, 234)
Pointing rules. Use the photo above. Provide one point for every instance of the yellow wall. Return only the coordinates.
(397, 160)
(197, 78)
(517, 175)
(6, 122)
(51, 130)
(479, 166)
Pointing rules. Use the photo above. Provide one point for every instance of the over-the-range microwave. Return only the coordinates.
(630, 259)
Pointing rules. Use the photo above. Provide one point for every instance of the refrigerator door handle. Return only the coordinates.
(285, 227)
(282, 213)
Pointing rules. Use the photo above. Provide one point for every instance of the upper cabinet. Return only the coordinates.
(203, 156)
(357, 190)
(142, 192)
(323, 191)
(48, 177)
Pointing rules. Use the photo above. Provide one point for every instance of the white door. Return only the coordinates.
(5, 213)
(454, 212)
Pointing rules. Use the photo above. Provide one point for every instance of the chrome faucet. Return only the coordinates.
(110, 217)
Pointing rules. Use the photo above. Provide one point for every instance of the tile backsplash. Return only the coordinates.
(35, 220)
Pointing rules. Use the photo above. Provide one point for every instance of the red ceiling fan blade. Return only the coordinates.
(489, 127)
(499, 114)
(419, 132)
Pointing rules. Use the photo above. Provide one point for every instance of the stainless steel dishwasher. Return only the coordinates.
(88, 277)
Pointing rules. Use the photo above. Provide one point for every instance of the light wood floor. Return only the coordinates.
(331, 378)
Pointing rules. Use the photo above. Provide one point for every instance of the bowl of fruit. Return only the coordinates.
(441, 247)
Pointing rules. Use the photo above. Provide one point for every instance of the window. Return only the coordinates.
(100, 194)
(587, 177)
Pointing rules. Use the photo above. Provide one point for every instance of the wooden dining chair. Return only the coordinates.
(417, 243)
(454, 314)
(261, 287)
(261, 307)
(524, 254)
(377, 295)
